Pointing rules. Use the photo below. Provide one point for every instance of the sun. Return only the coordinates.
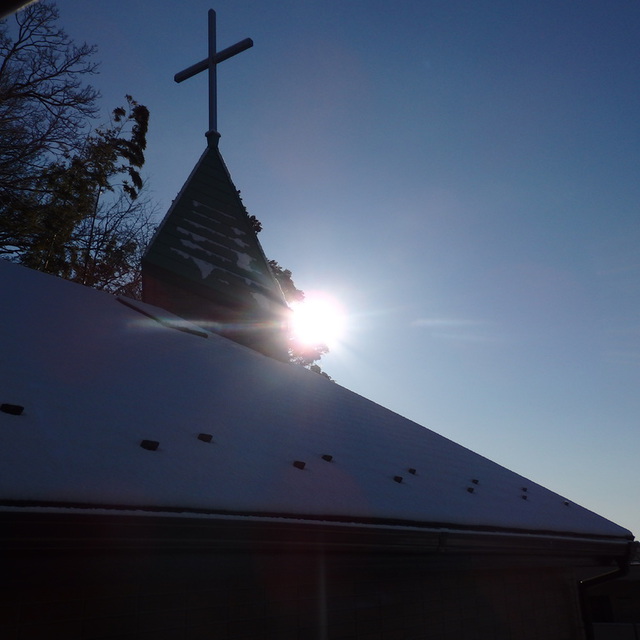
(319, 319)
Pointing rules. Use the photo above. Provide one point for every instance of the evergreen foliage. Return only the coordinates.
(305, 354)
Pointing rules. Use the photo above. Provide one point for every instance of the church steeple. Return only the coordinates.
(205, 262)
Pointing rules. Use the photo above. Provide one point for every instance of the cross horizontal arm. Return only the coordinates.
(221, 56)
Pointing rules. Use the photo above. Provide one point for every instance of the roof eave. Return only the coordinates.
(66, 529)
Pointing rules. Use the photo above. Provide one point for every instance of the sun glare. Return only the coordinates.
(320, 319)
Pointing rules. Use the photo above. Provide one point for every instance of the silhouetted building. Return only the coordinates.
(164, 474)
(161, 481)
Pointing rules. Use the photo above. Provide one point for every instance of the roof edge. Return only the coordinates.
(415, 531)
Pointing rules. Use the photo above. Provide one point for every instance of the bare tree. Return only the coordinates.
(45, 103)
(109, 247)
(69, 194)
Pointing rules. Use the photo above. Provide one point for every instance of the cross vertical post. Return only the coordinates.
(213, 74)
(210, 63)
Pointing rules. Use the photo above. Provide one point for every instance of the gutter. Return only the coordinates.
(57, 527)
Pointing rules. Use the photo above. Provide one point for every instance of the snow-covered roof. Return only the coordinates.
(127, 406)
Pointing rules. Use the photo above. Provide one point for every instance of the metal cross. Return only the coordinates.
(210, 63)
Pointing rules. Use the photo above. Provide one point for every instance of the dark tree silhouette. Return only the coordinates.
(45, 103)
(69, 197)
(86, 220)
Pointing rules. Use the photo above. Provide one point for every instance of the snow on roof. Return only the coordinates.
(123, 410)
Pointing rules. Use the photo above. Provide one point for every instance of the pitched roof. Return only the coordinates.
(129, 407)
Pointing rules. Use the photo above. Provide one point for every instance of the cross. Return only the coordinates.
(210, 63)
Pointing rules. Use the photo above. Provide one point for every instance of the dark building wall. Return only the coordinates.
(617, 600)
(284, 596)
(231, 317)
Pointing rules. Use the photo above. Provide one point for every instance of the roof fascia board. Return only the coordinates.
(58, 530)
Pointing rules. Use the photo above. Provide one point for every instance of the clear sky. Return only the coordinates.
(462, 175)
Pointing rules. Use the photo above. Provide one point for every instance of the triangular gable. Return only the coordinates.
(205, 263)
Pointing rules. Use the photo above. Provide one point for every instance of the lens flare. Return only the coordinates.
(319, 319)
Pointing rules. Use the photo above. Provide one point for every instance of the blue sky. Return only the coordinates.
(462, 175)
